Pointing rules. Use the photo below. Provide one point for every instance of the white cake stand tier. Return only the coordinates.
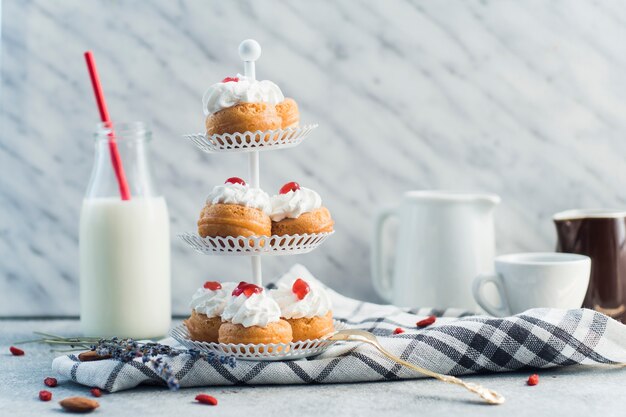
(268, 140)
(255, 245)
(258, 352)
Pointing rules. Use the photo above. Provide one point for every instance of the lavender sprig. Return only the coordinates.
(126, 350)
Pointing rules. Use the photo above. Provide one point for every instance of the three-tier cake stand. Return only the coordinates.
(254, 246)
(253, 143)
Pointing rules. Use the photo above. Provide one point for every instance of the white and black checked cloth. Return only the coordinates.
(458, 343)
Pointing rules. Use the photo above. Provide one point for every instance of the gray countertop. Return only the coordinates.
(572, 391)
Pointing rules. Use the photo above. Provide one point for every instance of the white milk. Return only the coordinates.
(125, 267)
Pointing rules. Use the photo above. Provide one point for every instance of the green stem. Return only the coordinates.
(53, 339)
(50, 335)
(23, 342)
(54, 336)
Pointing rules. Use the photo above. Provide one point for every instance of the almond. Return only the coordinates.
(79, 404)
(91, 355)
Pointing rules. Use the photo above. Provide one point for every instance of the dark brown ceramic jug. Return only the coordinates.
(601, 235)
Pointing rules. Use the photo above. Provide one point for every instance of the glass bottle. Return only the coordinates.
(124, 245)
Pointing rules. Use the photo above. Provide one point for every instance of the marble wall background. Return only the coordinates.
(521, 98)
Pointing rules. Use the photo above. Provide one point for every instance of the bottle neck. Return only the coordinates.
(131, 141)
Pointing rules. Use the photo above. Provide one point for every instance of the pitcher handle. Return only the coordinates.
(477, 289)
(381, 279)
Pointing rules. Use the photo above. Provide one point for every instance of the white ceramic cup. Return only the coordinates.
(531, 280)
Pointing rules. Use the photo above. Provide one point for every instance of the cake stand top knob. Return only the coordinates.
(249, 50)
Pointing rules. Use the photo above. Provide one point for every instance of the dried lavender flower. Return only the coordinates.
(152, 353)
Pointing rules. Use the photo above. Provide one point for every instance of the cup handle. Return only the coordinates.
(382, 281)
(477, 288)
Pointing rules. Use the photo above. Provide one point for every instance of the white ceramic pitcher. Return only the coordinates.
(445, 239)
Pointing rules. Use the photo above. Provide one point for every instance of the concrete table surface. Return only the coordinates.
(572, 391)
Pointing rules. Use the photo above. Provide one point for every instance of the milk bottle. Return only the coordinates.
(124, 244)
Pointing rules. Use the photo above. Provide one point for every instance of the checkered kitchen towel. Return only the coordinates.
(458, 343)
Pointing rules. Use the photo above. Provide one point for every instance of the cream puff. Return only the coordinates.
(288, 112)
(242, 104)
(252, 316)
(235, 209)
(243, 117)
(307, 308)
(207, 305)
(299, 210)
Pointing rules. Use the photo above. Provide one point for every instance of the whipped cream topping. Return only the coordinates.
(223, 95)
(256, 310)
(294, 203)
(315, 304)
(210, 302)
(242, 195)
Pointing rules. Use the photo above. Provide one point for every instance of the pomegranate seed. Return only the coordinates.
(247, 289)
(206, 399)
(290, 186)
(96, 392)
(533, 380)
(239, 288)
(212, 285)
(230, 80)
(50, 382)
(45, 395)
(252, 289)
(235, 180)
(426, 322)
(16, 351)
(398, 330)
(300, 288)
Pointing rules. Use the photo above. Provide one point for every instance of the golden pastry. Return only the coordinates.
(251, 316)
(299, 210)
(207, 305)
(243, 117)
(233, 220)
(234, 209)
(316, 221)
(203, 328)
(307, 308)
(288, 111)
(311, 328)
(276, 332)
(241, 104)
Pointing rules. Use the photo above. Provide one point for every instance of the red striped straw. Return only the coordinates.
(104, 116)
